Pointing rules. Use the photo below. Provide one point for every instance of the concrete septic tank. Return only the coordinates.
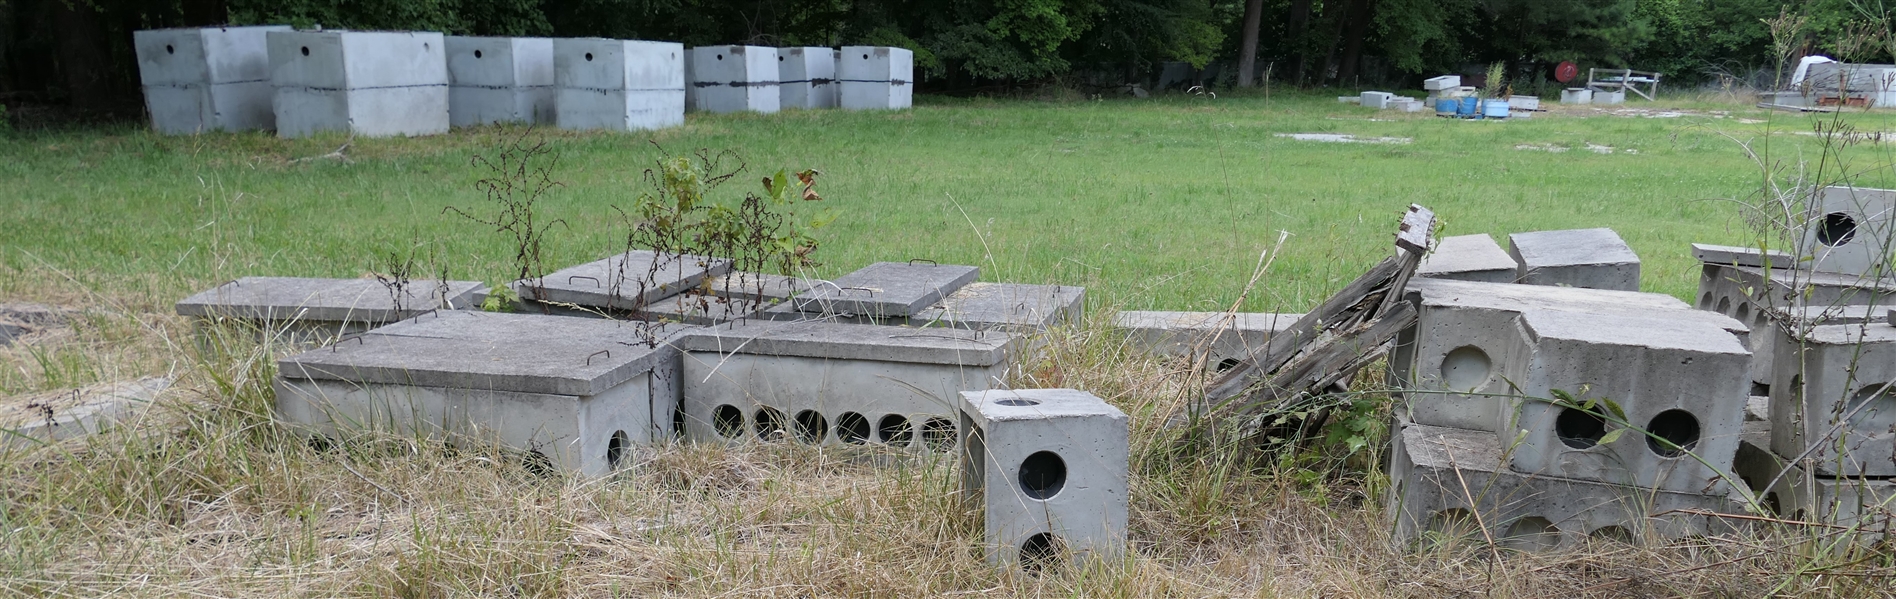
(499, 80)
(1851, 231)
(1225, 339)
(731, 79)
(1805, 497)
(1011, 306)
(618, 85)
(806, 77)
(875, 77)
(828, 383)
(1047, 470)
(1833, 399)
(1587, 258)
(887, 289)
(206, 79)
(306, 310)
(576, 391)
(1468, 258)
(1447, 483)
(369, 83)
(625, 282)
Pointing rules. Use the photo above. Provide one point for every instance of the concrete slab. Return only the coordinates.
(1833, 398)
(499, 80)
(1860, 503)
(1010, 306)
(875, 77)
(1850, 231)
(721, 79)
(205, 79)
(326, 300)
(1586, 258)
(758, 287)
(1468, 258)
(625, 282)
(1727, 255)
(43, 418)
(1224, 340)
(888, 289)
(807, 77)
(370, 83)
(1521, 298)
(618, 85)
(1047, 470)
(700, 309)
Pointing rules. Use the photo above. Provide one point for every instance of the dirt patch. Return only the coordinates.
(1344, 138)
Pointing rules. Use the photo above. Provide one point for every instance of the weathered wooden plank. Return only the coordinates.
(1334, 312)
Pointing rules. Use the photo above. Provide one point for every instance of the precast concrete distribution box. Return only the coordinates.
(806, 77)
(1853, 502)
(875, 77)
(201, 79)
(303, 310)
(618, 85)
(887, 289)
(732, 79)
(1015, 307)
(369, 83)
(1047, 470)
(828, 383)
(499, 80)
(1850, 231)
(1833, 398)
(1468, 258)
(1799, 318)
(1588, 258)
(1223, 339)
(572, 394)
(627, 282)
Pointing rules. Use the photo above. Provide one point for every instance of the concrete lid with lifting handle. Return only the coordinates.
(815, 339)
(326, 300)
(624, 281)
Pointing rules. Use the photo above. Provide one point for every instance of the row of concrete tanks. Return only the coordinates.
(373, 83)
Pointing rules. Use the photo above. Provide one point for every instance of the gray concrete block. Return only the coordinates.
(1833, 393)
(806, 77)
(618, 85)
(1047, 470)
(759, 287)
(371, 83)
(376, 112)
(1587, 258)
(499, 80)
(52, 417)
(853, 342)
(618, 110)
(1727, 255)
(1862, 503)
(1468, 258)
(624, 282)
(192, 109)
(1850, 231)
(1010, 306)
(887, 289)
(1447, 483)
(700, 309)
(205, 79)
(1224, 339)
(721, 79)
(274, 299)
(875, 78)
(1764, 343)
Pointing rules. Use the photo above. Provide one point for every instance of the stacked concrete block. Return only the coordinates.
(618, 85)
(303, 310)
(369, 83)
(806, 77)
(1010, 306)
(875, 77)
(206, 79)
(1587, 258)
(627, 282)
(881, 291)
(829, 383)
(732, 79)
(1047, 470)
(1442, 82)
(499, 80)
(571, 394)
(1851, 231)
(1833, 399)
(1223, 339)
(1863, 505)
(1468, 258)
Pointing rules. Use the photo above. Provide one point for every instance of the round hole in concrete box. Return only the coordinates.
(1228, 363)
(768, 423)
(1452, 523)
(720, 57)
(169, 49)
(1678, 428)
(615, 449)
(1705, 301)
(728, 420)
(477, 53)
(852, 428)
(938, 434)
(589, 57)
(812, 427)
(1042, 475)
(1872, 410)
(536, 463)
(678, 423)
(1774, 505)
(865, 57)
(1617, 534)
(1724, 305)
(1532, 533)
(1743, 313)
(1837, 229)
(1016, 402)
(1466, 368)
(1579, 429)
(1039, 552)
(894, 430)
(306, 50)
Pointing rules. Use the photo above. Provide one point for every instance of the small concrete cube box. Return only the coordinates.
(1376, 100)
(1010, 306)
(206, 79)
(1447, 483)
(1805, 497)
(888, 289)
(806, 77)
(1833, 398)
(1468, 258)
(732, 79)
(1850, 231)
(876, 77)
(499, 80)
(305, 310)
(1442, 82)
(626, 282)
(1047, 469)
(827, 383)
(1606, 97)
(1589, 258)
(618, 85)
(369, 83)
(575, 391)
(1576, 95)
(1224, 339)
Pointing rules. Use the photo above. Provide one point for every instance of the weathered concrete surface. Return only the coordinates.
(700, 309)
(327, 300)
(732, 79)
(1727, 255)
(206, 79)
(1587, 258)
(1468, 258)
(759, 287)
(875, 77)
(852, 342)
(499, 80)
(1223, 338)
(38, 419)
(1045, 462)
(806, 77)
(618, 85)
(626, 281)
(1833, 398)
(1010, 306)
(887, 289)
(1862, 503)
(370, 83)
(1850, 231)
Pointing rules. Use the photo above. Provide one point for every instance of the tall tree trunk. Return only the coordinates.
(1343, 10)
(80, 41)
(1247, 47)
(1294, 28)
(1353, 47)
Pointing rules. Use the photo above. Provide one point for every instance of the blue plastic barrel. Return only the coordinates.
(1445, 107)
(1494, 109)
(1469, 108)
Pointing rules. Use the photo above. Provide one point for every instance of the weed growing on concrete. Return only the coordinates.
(518, 177)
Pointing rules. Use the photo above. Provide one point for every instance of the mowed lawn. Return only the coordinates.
(1151, 204)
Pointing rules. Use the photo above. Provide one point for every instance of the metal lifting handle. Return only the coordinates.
(589, 357)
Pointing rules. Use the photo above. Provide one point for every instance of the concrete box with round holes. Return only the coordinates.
(806, 77)
(875, 77)
(499, 80)
(1797, 494)
(1850, 231)
(1589, 258)
(618, 85)
(369, 83)
(575, 391)
(206, 79)
(829, 383)
(731, 79)
(1447, 483)
(1047, 469)
(1833, 398)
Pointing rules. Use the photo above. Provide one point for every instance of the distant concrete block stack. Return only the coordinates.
(1047, 469)
(1587, 258)
(876, 77)
(499, 80)
(206, 79)
(1468, 258)
(722, 79)
(807, 77)
(1223, 339)
(618, 85)
(369, 83)
(304, 310)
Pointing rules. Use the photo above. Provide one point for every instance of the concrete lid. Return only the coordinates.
(1728, 255)
(1465, 253)
(624, 281)
(325, 300)
(524, 353)
(813, 339)
(1000, 405)
(1811, 315)
(696, 308)
(1653, 331)
(888, 289)
(756, 286)
(1800, 279)
(1270, 322)
(1850, 334)
(989, 305)
(1524, 298)
(1541, 249)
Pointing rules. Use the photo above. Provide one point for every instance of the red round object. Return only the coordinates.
(1566, 71)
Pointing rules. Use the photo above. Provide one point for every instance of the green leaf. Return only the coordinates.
(1613, 407)
(1612, 436)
